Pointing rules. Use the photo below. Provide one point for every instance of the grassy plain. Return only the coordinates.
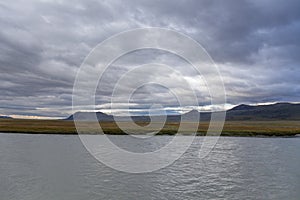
(231, 128)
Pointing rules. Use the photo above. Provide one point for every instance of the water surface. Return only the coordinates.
(55, 167)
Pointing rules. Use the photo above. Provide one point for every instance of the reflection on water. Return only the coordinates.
(59, 167)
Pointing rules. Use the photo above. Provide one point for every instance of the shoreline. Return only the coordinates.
(223, 134)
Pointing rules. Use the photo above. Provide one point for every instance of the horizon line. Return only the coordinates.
(110, 112)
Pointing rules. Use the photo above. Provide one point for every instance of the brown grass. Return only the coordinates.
(231, 128)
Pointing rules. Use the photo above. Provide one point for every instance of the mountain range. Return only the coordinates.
(277, 111)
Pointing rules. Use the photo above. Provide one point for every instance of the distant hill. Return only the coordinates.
(5, 117)
(278, 111)
(89, 116)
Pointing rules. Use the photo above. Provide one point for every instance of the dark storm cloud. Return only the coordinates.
(255, 43)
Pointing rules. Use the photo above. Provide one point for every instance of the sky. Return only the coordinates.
(255, 44)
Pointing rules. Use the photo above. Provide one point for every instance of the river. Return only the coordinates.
(58, 167)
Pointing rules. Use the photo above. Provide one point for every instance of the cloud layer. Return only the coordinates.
(255, 43)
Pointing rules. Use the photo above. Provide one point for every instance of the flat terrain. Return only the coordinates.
(231, 128)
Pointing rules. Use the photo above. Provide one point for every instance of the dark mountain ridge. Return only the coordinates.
(277, 111)
(88, 116)
(5, 117)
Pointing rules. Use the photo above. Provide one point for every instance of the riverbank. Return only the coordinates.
(231, 128)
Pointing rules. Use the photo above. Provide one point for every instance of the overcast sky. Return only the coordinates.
(255, 43)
